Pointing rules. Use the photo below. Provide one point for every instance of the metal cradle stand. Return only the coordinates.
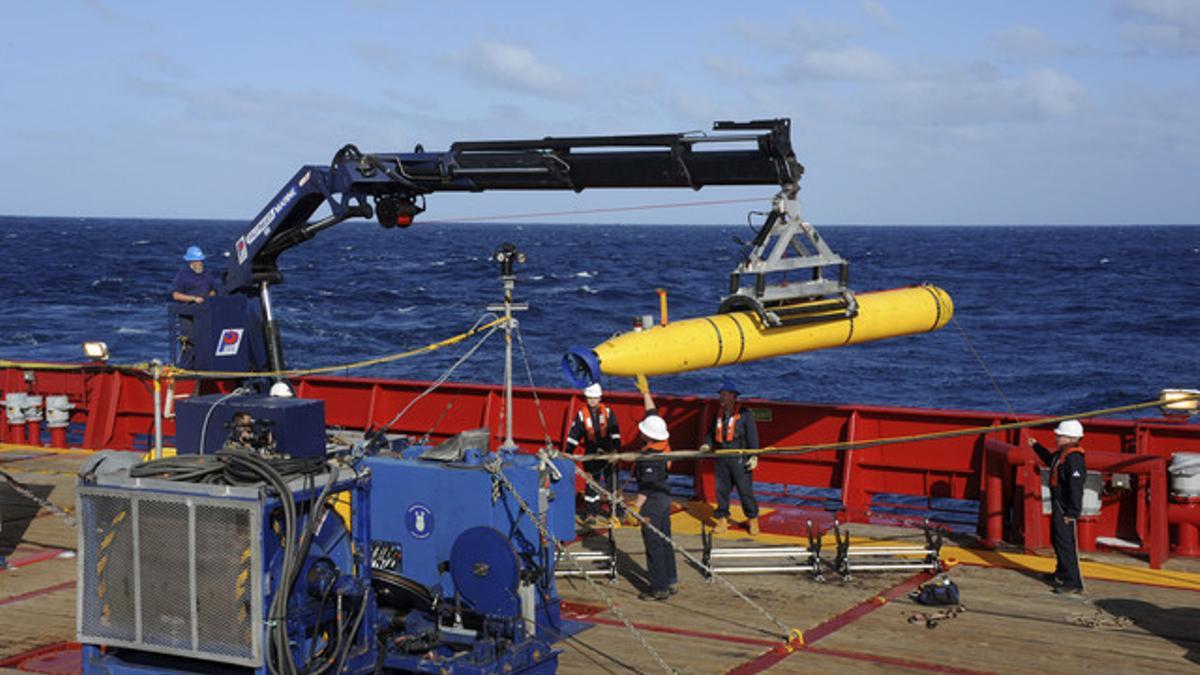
(847, 559)
(763, 559)
(589, 563)
(850, 559)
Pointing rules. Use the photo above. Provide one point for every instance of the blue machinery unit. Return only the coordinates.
(433, 567)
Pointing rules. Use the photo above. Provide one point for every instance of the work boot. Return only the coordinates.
(752, 525)
(1068, 590)
(654, 595)
(1052, 579)
(720, 525)
(673, 588)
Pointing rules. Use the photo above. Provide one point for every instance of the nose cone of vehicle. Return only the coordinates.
(581, 367)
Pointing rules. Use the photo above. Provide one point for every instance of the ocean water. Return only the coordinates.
(1064, 318)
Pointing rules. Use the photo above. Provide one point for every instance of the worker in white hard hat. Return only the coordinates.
(1068, 471)
(595, 431)
(653, 500)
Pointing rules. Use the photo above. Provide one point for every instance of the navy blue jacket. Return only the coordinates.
(190, 283)
(745, 432)
(1066, 488)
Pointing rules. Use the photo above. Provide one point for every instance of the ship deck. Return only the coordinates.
(1131, 619)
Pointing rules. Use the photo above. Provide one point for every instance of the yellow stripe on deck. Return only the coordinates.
(18, 447)
(688, 521)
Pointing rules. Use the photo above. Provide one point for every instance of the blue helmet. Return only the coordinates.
(728, 385)
(194, 254)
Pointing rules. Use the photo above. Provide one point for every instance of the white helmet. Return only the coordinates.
(593, 390)
(1069, 428)
(654, 428)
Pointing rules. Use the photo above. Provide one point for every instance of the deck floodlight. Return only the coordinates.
(96, 351)
(1180, 402)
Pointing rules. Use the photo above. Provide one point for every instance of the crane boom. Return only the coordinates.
(391, 186)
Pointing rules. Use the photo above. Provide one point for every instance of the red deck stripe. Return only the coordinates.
(15, 661)
(865, 607)
(770, 658)
(671, 630)
(36, 592)
(36, 558)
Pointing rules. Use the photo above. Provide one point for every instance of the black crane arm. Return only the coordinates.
(391, 187)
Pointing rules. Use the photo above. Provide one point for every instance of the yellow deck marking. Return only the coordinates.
(688, 521)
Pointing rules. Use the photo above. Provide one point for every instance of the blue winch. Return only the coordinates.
(245, 561)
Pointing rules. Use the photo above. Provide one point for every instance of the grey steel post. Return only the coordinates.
(507, 256)
(509, 443)
(158, 409)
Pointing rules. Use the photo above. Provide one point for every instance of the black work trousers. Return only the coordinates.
(604, 473)
(731, 472)
(1063, 537)
(660, 557)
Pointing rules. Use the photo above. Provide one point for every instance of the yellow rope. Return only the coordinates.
(42, 365)
(171, 371)
(804, 449)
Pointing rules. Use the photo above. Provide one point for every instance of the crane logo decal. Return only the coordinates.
(241, 250)
(419, 520)
(231, 339)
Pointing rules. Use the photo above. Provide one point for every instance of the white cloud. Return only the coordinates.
(381, 58)
(1169, 26)
(853, 63)
(801, 33)
(971, 102)
(515, 68)
(1051, 92)
(880, 14)
(1025, 43)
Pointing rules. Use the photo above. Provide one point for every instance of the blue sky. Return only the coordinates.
(940, 112)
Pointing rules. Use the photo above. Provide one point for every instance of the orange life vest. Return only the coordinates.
(589, 427)
(1061, 458)
(726, 435)
(658, 446)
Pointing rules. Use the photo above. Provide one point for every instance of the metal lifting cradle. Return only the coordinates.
(847, 560)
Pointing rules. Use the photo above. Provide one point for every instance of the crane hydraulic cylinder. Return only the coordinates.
(738, 337)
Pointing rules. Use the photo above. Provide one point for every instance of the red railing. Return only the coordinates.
(115, 410)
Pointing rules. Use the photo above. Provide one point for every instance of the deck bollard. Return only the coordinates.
(33, 419)
(14, 407)
(58, 418)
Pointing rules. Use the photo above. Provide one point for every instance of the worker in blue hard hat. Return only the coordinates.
(192, 285)
(733, 428)
(595, 431)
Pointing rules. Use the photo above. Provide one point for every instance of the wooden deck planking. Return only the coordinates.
(1013, 624)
